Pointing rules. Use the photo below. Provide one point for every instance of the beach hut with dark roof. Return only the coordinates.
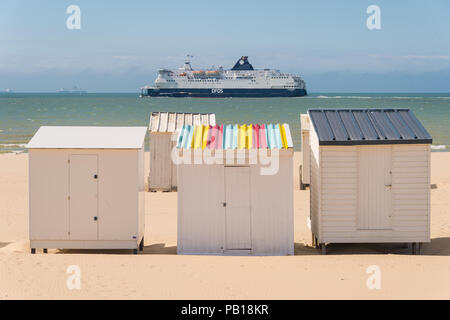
(370, 177)
(235, 190)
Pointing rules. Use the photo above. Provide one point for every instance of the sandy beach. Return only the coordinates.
(158, 273)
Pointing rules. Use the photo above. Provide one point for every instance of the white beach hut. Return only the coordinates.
(370, 177)
(86, 188)
(304, 167)
(164, 128)
(235, 190)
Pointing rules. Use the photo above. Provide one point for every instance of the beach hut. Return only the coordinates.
(235, 190)
(304, 167)
(86, 188)
(163, 130)
(370, 177)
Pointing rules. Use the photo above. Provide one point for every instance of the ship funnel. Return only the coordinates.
(242, 64)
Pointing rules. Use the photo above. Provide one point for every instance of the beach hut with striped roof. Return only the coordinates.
(235, 190)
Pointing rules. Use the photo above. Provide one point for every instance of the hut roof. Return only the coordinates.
(367, 126)
(174, 121)
(252, 136)
(54, 137)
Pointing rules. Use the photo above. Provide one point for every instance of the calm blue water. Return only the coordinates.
(22, 114)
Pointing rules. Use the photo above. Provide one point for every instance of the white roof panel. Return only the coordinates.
(174, 121)
(88, 138)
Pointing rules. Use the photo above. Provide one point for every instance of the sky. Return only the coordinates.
(121, 44)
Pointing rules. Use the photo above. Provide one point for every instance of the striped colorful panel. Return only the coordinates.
(242, 137)
(220, 139)
(206, 134)
(250, 136)
(235, 137)
(271, 144)
(283, 136)
(198, 136)
(190, 138)
(263, 137)
(180, 137)
(213, 136)
(278, 137)
(255, 136)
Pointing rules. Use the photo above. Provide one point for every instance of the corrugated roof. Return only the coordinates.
(88, 138)
(174, 121)
(367, 126)
(252, 136)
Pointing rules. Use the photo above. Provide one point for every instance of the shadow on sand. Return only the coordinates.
(437, 247)
(4, 244)
(157, 248)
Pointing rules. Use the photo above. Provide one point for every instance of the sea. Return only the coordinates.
(21, 114)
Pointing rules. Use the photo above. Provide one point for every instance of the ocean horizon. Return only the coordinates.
(21, 114)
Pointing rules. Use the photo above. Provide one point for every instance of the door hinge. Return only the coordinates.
(68, 161)
(68, 197)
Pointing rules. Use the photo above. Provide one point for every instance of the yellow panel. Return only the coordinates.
(249, 136)
(241, 138)
(205, 136)
(283, 136)
(198, 136)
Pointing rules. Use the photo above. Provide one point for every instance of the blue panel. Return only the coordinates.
(190, 136)
(235, 137)
(278, 137)
(180, 137)
(228, 137)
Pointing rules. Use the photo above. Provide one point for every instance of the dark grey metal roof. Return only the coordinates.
(367, 126)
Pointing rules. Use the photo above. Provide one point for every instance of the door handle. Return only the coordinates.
(95, 218)
(224, 204)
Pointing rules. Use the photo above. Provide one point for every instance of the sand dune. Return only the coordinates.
(159, 273)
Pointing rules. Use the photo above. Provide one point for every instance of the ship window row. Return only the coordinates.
(200, 80)
(280, 77)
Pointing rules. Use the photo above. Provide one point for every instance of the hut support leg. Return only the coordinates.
(323, 248)
(313, 240)
(413, 248)
(33, 250)
(45, 250)
(302, 186)
(135, 251)
(141, 245)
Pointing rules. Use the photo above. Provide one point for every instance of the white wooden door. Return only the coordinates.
(237, 210)
(375, 187)
(83, 188)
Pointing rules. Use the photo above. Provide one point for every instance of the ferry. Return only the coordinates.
(240, 81)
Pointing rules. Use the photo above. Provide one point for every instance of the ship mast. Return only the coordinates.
(187, 63)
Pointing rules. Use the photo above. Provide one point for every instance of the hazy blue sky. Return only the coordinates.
(121, 44)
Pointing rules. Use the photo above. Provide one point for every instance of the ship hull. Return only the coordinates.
(222, 93)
